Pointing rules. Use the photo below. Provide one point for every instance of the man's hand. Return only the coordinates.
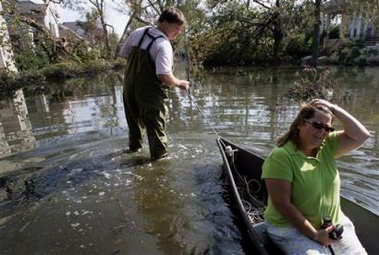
(184, 85)
(172, 81)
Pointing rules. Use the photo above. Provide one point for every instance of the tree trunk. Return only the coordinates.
(123, 36)
(278, 35)
(316, 33)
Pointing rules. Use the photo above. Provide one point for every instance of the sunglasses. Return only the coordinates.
(319, 125)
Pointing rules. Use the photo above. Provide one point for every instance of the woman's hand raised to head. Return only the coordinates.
(323, 103)
(353, 133)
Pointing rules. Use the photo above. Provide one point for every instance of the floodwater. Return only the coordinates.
(67, 187)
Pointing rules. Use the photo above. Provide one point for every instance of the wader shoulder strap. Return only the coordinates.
(146, 32)
(152, 41)
(143, 36)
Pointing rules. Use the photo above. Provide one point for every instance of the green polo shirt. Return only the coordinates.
(315, 182)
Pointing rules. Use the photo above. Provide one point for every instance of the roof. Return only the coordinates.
(74, 27)
(66, 31)
(33, 6)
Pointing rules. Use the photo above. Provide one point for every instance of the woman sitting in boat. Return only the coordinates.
(303, 182)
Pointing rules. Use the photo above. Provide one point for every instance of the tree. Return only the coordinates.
(263, 24)
(316, 32)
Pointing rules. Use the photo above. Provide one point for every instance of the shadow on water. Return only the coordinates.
(37, 182)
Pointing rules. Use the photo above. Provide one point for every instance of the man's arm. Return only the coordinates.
(172, 81)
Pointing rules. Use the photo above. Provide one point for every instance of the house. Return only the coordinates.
(351, 25)
(43, 15)
(93, 36)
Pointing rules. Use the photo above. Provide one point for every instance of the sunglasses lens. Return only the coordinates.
(317, 125)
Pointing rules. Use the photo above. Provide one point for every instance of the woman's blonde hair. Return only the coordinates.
(307, 111)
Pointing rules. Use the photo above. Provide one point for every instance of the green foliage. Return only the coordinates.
(239, 32)
(33, 56)
(61, 70)
(113, 41)
(298, 46)
(351, 53)
(355, 52)
(230, 38)
(27, 60)
(6, 78)
(64, 70)
(373, 52)
(334, 32)
(86, 53)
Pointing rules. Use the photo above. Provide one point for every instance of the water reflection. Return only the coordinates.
(75, 191)
(15, 126)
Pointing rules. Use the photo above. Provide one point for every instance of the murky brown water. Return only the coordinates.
(74, 191)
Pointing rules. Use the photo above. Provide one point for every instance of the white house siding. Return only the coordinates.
(51, 20)
(6, 53)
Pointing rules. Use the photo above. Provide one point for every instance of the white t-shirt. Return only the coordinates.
(161, 50)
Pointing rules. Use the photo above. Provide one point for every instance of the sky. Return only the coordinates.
(114, 18)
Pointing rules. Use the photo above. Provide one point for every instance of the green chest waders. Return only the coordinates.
(144, 101)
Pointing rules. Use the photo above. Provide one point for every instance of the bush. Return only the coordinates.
(334, 33)
(297, 46)
(66, 70)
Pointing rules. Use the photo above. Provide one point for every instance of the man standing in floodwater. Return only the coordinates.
(148, 75)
